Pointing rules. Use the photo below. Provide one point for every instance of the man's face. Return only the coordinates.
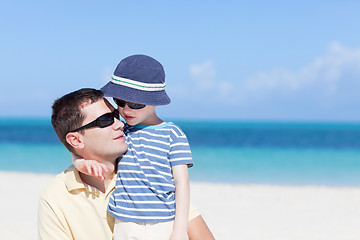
(106, 143)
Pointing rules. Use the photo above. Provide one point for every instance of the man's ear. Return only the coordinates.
(75, 140)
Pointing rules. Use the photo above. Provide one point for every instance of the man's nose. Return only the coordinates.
(118, 124)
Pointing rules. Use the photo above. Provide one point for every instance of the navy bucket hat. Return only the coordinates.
(138, 79)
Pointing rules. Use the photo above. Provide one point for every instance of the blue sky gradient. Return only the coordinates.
(229, 60)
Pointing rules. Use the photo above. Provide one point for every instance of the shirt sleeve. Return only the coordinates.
(49, 225)
(180, 152)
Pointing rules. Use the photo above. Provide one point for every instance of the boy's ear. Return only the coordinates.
(75, 140)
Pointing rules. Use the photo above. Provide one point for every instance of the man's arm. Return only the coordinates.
(49, 225)
(198, 230)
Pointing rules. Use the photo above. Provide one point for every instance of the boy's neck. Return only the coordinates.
(152, 121)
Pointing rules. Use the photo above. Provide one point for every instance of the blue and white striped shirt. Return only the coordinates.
(145, 190)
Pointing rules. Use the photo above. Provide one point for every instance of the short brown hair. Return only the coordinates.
(67, 112)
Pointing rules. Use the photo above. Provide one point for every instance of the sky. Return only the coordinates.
(224, 60)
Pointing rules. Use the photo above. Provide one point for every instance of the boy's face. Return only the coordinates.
(144, 116)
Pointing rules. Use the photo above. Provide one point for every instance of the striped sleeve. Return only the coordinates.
(180, 152)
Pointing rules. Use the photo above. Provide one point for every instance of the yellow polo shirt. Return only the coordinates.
(71, 209)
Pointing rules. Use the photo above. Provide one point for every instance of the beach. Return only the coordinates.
(232, 211)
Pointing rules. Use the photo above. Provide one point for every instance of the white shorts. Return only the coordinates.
(142, 231)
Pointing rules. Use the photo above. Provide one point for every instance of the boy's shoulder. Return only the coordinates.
(175, 129)
(164, 128)
(169, 125)
(164, 125)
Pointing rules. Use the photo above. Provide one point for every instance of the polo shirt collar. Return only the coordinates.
(73, 181)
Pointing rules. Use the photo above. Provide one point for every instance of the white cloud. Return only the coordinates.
(328, 70)
(203, 74)
(225, 88)
(106, 75)
(335, 76)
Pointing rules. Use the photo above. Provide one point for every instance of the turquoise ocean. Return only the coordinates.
(232, 152)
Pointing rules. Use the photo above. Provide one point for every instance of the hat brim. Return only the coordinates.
(136, 96)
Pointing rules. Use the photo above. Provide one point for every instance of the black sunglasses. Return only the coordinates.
(122, 103)
(103, 121)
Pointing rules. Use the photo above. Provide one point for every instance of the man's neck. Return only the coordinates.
(102, 185)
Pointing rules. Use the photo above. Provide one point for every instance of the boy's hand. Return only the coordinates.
(91, 167)
(178, 234)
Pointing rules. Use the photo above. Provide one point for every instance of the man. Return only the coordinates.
(74, 205)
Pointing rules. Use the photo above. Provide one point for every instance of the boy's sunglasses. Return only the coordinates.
(122, 103)
(103, 121)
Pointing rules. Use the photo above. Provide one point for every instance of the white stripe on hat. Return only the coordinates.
(150, 87)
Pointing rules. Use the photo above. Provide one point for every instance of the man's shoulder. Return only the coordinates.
(57, 185)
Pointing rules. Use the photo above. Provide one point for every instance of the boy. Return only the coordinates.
(152, 188)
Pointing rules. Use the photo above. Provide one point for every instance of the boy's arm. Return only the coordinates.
(182, 196)
(89, 167)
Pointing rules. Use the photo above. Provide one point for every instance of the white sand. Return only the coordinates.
(279, 212)
(231, 211)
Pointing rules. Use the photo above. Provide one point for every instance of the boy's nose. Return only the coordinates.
(126, 108)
